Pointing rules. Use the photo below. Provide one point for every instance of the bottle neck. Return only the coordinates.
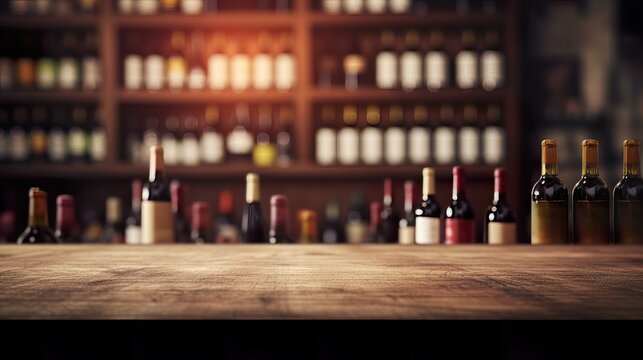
(252, 192)
(157, 168)
(590, 169)
(633, 170)
(550, 169)
(499, 186)
(631, 159)
(388, 193)
(458, 187)
(428, 186)
(38, 212)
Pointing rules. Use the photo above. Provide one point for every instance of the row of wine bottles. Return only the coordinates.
(54, 134)
(456, 136)
(406, 6)
(193, 7)
(266, 62)
(52, 7)
(590, 200)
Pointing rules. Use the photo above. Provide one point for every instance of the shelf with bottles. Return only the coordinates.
(200, 96)
(232, 20)
(402, 7)
(208, 61)
(48, 9)
(194, 8)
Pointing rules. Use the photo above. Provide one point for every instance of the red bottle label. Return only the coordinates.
(460, 231)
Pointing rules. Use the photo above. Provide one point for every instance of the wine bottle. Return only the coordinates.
(407, 222)
(171, 145)
(133, 221)
(66, 225)
(264, 152)
(157, 223)
(196, 78)
(279, 220)
(252, 226)
(284, 137)
(500, 224)
(176, 64)
(436, 63)
(189, 150)
(386, 62)
(239, 68)
(356, 226)
(628, 198)
(466, 62)
(469, 136)
(212, 150)
(390, 220)
(90, 63)
(591, 199)
(326, 137)
(348, 138)
(97, 138)
(240, 141)
(427, 214)
(18, 138)
(420, 136)
(226, 230)
(549, 200)
(373, 234)
(179, 194)
(201, 223)
(262, 67)
(37, 231)
(493, 137)
(218, 63)
(57, 137)
(38, 134)
(114, 232)
(445, 137)
(78, 136)
(371, 138)
(333, 233)
(150, 138)
(307, 226)
(411, 63)
(459, 224)
(395, 137)
(491, 63)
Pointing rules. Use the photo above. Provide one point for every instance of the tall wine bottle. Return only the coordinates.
(114, 232)
(500, 223)
(628, 198)
(390, 220)
(279, 220)
(427, 214)
(307, 226)
(201, 223)
(67, 230)
(178, 195)
(591, 201)
(407, 222)
(133, 221)
(157, 223)
(226, 229)
(459, 224)
(549, 200)
(333, 231)
(37, 231)
(252, 226)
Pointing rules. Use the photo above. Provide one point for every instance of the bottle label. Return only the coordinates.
(549, 222)
(18, 144)
(355, 232)
(400, 6)
(240, 72)
(501, 233)
(147, 6)
(627, 222)
(212, 147)
(192, 6)
(133, 235)
(419, 145)
(133, 72)
(466, 69)
(492, 64)
(437, 70)
(176, 70)
(427, 230)
(285, 72)
(196, 79)
(239, 142)
(410, 70)
(469, 144)
(371, 146)
(38, 141)
(67, 73)
(444, 145)
(493, 145)
(395, 145)
(91, 73)
(262, 72)
(407, 235)
(348, 146)
(459, 231)
(154, 72)
(77, 142)
(386, 70)
(332, 6)
(157, 223)
(325, 146)
(217, 72)
(190, 150)
(46, 76)
(353, 6)
(376, 6)
(591, 222)
(98, 149)
(170, 149)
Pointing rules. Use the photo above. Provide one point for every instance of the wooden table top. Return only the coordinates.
(321, 281)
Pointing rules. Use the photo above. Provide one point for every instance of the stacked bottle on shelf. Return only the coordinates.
(374, 135)
(212, 62)
(54, 134)
(194, 140)
(52, 7)
(378, 7)
(194, 7)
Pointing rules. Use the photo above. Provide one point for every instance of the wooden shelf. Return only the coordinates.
(236, 19)
(374, 94)
(48, 21)
(299, 171)
(429, 19)
(201, 96)
(49, 96)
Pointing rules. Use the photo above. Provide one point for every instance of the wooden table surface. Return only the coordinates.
(321, 281)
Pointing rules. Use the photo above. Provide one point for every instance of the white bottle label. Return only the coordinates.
(372, 144)
(400, 6)
(77, 142)
(190, 150)
(133, 72)
(154, 72)
(407, 235)
(132, 235)
(492, 65)
(262, 72)
(501, 233)
(395, 145)
(98, 150)
(326, 146)
(126, 6)
(332, 6)
(493, 145)
(170, 149)
(91, 73)
(427, 230)
(410, 70)
(353, 6)
(18, 144)
(437, 70)
(67, 73)
(386, 70)
(157, 223)
(419, 145)
(469, 141)
(212, 147)
(217, 71)
(240, 72)
(239, 142)
(376, 6)
(466, 69)
(444, 145)
(192, 6)
(57, 145)
(348, 146)
(147, 6)
(285, 74)
(196, 79)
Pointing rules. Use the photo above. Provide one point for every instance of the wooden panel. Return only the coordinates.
(71, 96)
(321, 281)
(374, 94)
(48, 21)
(248, 19)
(434, 18)
(201, 97)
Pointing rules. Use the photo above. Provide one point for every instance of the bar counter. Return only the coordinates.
(321, 281)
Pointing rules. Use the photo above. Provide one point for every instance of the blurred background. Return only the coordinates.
(322, 98)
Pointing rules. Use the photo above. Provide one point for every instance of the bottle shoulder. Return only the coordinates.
(590, 188)
(459, 208)
(428, 208)
(37, 235)
(499, 212)
(549, 188)
(629, 188)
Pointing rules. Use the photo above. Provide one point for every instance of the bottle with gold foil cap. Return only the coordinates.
(252, 227)
(157, 223)
(549, 201)
(307, 226)
(628, 198)
(591, 197)
(37, 231)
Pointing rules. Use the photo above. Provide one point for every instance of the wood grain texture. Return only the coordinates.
(321, 281)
